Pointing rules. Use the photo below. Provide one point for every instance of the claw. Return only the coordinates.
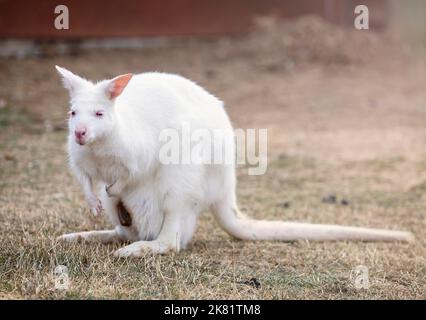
(97, 209)
(108, 190)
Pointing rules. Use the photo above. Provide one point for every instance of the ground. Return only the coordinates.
(346, 145)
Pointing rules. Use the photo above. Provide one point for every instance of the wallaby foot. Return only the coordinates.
(141, 248)
(96, 207)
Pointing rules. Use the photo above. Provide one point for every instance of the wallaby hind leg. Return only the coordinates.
(178, 228)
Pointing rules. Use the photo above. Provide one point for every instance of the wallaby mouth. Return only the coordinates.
(124, 215)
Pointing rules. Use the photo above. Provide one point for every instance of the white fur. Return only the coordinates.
(165, 200)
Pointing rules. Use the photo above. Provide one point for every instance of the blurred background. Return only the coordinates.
(206, 40)
(345, 111)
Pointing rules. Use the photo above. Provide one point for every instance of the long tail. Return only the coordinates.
(241, 227)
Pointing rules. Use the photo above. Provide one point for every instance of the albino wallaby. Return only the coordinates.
(113, 146)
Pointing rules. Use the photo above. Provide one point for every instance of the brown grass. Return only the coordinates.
(354, 132)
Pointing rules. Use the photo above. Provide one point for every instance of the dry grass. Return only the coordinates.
(357, 133)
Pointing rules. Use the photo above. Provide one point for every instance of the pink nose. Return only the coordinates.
(80, 134)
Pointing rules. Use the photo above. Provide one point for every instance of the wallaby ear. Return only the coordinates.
(116, 86)
(69, 79)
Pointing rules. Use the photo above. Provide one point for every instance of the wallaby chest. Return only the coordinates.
(107, 167)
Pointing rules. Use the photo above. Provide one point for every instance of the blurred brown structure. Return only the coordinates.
(141, 18)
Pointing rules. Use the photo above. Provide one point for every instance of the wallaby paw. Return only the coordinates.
(96, 209)
(141, 248)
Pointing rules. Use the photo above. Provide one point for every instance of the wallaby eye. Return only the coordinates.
(99, 113)
(71, 113)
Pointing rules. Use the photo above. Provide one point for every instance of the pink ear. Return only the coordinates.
(118, 84)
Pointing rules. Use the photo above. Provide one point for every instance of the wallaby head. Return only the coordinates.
(92, 113)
